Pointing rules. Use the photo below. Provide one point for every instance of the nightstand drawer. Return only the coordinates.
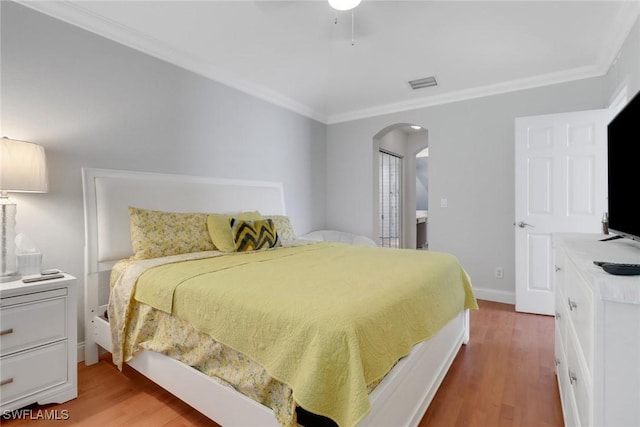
(30, 372)
(32, 324)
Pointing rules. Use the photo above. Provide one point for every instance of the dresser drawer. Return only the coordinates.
(579, 382)
(570, 411)
(579, 303)
(561, 314)
(29, 324)
(561, 369)
(559, 262)
(30, 372)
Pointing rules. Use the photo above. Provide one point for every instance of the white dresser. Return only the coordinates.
(38, 342)
(597, 331)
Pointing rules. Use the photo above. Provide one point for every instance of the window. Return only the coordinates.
(390, 200)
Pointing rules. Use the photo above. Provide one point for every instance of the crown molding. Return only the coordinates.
(78, 16)
(627, 19)
(472, 93)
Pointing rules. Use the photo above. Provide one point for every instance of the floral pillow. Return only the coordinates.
(156, 233)
(283, 227)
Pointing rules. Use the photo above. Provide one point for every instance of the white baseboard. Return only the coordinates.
(81, 352)
(81, 349)
(505, 297)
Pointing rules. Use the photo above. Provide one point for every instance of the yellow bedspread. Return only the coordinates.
(326, 319)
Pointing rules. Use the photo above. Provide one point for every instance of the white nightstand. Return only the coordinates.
(38, 342)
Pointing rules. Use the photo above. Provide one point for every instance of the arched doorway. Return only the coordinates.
(403, 141)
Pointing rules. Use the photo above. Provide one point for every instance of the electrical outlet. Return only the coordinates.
(499, 273)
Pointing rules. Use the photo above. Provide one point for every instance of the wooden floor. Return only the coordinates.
(504, 377)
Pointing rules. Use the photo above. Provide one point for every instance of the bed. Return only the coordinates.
(400, 397)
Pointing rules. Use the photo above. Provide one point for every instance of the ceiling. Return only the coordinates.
(306, 57)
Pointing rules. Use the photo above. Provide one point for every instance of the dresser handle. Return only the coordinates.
(5, 382)
(6, 331)
(572, 377)
(572, 304)
(557, 268)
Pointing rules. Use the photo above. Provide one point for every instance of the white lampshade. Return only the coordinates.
(23, 167)
(344, 4)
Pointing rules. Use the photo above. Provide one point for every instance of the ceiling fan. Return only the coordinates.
(344, 4)
(345, 26)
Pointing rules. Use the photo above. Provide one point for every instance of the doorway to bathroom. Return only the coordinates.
(400, 209)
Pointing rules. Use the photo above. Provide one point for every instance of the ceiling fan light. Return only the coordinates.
(344, 4)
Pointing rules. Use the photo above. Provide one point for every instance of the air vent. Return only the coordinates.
(420, 83)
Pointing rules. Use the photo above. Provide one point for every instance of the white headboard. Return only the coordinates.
(109, 193)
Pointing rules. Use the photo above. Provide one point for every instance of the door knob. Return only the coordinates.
(523, 224)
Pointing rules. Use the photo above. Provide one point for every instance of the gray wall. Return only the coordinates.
(94, 103)
(471, 164)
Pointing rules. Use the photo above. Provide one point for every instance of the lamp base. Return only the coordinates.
(8, 259)
(10, 278)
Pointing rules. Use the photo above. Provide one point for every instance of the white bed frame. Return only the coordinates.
(401, 398)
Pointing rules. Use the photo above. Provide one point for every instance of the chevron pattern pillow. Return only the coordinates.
(254, 235)
(218, 226)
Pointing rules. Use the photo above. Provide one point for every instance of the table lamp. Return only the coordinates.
(22, 169)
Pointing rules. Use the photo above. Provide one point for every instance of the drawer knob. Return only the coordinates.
(557, 362)
(557, 268)
(558, 316)
(572, 304)
(5, 382)
(572, 377)
(6, 331)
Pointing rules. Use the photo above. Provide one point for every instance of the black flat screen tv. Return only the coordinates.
(623, 149)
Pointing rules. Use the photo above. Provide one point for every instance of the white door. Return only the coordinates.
(561, 186)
